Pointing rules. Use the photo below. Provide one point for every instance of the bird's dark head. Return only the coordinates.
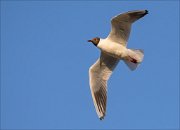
(95, 41)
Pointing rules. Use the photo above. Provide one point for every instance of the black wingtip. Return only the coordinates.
(101, 118)
(146, 12)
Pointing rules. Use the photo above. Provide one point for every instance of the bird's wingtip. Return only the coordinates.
(101, 118)
(146, 12)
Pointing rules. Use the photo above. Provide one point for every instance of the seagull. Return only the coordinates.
(113, 49)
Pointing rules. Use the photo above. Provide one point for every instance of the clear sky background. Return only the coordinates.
(45, 59)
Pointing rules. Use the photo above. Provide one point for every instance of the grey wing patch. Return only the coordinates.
(99, 74)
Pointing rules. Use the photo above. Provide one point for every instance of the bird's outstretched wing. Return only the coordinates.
(121, 25)
(99, 74)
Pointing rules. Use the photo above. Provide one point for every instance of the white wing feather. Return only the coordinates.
(121, 25)
(99, 74)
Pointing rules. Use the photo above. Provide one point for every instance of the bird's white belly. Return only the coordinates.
(114, 49)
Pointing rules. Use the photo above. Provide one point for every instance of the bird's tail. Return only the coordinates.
(134, 58)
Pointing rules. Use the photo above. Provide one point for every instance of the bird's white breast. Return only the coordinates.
(112, 48)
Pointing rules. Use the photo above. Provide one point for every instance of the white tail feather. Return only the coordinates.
(134, 58)
(132, 66)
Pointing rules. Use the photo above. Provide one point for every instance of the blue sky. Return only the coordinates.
(45, 59)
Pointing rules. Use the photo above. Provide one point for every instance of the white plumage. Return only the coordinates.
(113, 49)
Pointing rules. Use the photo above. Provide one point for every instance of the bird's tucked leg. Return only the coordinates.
(133, 60)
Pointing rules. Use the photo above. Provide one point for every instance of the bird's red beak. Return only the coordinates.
(89, 40)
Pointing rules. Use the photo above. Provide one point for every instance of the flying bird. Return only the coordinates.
(113, 49)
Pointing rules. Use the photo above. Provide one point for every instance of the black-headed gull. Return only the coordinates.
(113, 49)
